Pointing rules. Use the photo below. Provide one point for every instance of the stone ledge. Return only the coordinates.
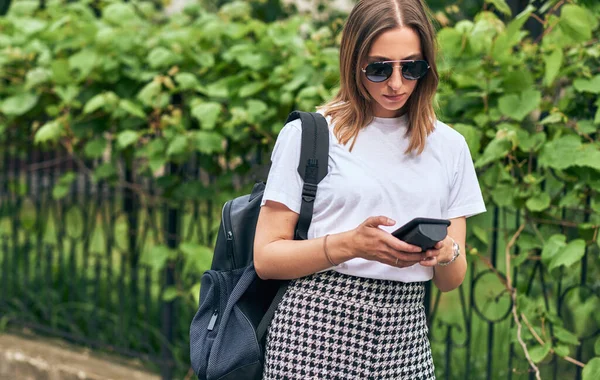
(46, 359)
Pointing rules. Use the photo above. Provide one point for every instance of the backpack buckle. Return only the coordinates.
(309, 192)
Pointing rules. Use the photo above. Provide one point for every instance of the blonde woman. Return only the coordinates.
(355, 308)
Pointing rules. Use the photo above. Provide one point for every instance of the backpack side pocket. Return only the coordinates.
(203, 329)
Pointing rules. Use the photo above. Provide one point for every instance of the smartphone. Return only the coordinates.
(423, 232)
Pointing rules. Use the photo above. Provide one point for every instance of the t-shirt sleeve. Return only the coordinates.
(465, 194)
(284, 184)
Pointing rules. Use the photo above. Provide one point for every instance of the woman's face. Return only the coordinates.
(391, 95)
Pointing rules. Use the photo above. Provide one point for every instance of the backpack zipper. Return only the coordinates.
(226, 218)
(213, 319)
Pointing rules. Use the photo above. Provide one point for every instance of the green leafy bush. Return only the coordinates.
(154, 90)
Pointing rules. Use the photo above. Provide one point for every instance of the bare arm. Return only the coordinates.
(278, 256)
(449, 277)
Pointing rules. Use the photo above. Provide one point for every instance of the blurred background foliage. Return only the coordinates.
(133, 93)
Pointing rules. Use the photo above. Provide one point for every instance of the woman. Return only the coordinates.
(355, 309)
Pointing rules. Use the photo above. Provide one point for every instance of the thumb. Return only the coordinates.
(376, 221)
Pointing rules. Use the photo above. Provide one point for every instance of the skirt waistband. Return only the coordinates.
(361, 290)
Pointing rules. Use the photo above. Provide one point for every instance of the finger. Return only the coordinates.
(432, 253)
(408, 256)
(376, 221)
(439, 245)
(429, 262)
(400, 245)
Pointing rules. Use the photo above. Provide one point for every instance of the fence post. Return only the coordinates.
(172, 239)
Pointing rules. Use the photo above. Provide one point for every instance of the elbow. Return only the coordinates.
(259, 265)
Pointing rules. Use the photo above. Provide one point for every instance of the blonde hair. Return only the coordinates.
(351, 109)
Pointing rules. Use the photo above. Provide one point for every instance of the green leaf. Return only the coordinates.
(472, 136)
(127, 138)
(575, 23)
(30, 26)
(177, 146)
(568, 256)
(597, 346)
(95, 148)
(67, 94)
(198, 256)
(498, 148)
(99, 101)
(170, 294)
(104, 171)
(51, 131)
(60, 72)
(120, 14)
(501, 6)
(552, 63)
(561, 153)
(591, 371)
(207, 114)
(132, 108)
(208, 142)
(18, 105)
(588, 85)
(481, 234)
(149, 94)
(161, 57)
(251, 89)
(589, 156)
(503, 195)
(565, 336)
(84, 61)
(517, 81)
(518, 106)
(186, 81)
(538, 353)
(562, 350)
(35, 77)
(63, 185)
(552, 247)
(156, 257)
(539, 202)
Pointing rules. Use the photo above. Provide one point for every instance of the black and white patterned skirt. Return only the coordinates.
(335, 326)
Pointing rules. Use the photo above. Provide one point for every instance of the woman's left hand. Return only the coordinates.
(441, 252)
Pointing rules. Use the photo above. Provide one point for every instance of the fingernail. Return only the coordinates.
(391, 221)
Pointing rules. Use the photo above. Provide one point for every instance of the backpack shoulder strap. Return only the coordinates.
(312, 167)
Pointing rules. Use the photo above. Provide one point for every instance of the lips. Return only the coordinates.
(394, 98)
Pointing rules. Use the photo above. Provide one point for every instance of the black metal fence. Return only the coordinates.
(78, 268)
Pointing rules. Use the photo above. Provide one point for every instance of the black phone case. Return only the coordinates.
(423, 232)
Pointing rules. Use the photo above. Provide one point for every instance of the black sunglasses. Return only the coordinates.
(382, 71)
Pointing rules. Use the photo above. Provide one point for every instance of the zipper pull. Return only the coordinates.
(213, 320)
(229, 235)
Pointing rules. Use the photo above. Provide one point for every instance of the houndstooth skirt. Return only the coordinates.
(335, 326)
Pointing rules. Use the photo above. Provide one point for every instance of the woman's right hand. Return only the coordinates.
(369, 242)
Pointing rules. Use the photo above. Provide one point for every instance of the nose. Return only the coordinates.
(395, 81)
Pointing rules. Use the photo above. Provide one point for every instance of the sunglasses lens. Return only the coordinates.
(414, 70)
(378, 72)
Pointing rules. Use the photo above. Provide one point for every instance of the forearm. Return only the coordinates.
(449, 277)
(289, 259)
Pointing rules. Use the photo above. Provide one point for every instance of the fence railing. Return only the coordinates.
(77, 268)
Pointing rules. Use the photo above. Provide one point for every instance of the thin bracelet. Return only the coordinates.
(327, 253)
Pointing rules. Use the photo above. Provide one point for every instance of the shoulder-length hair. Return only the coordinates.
(351, 109)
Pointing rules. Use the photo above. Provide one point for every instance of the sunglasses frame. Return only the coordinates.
(364, 69)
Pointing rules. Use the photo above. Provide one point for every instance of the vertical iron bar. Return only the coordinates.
(448, 351)
(494, 253)
(172, 235)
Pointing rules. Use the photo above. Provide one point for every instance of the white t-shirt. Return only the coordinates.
(378, 178)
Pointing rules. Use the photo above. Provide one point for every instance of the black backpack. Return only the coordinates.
(227, 334)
